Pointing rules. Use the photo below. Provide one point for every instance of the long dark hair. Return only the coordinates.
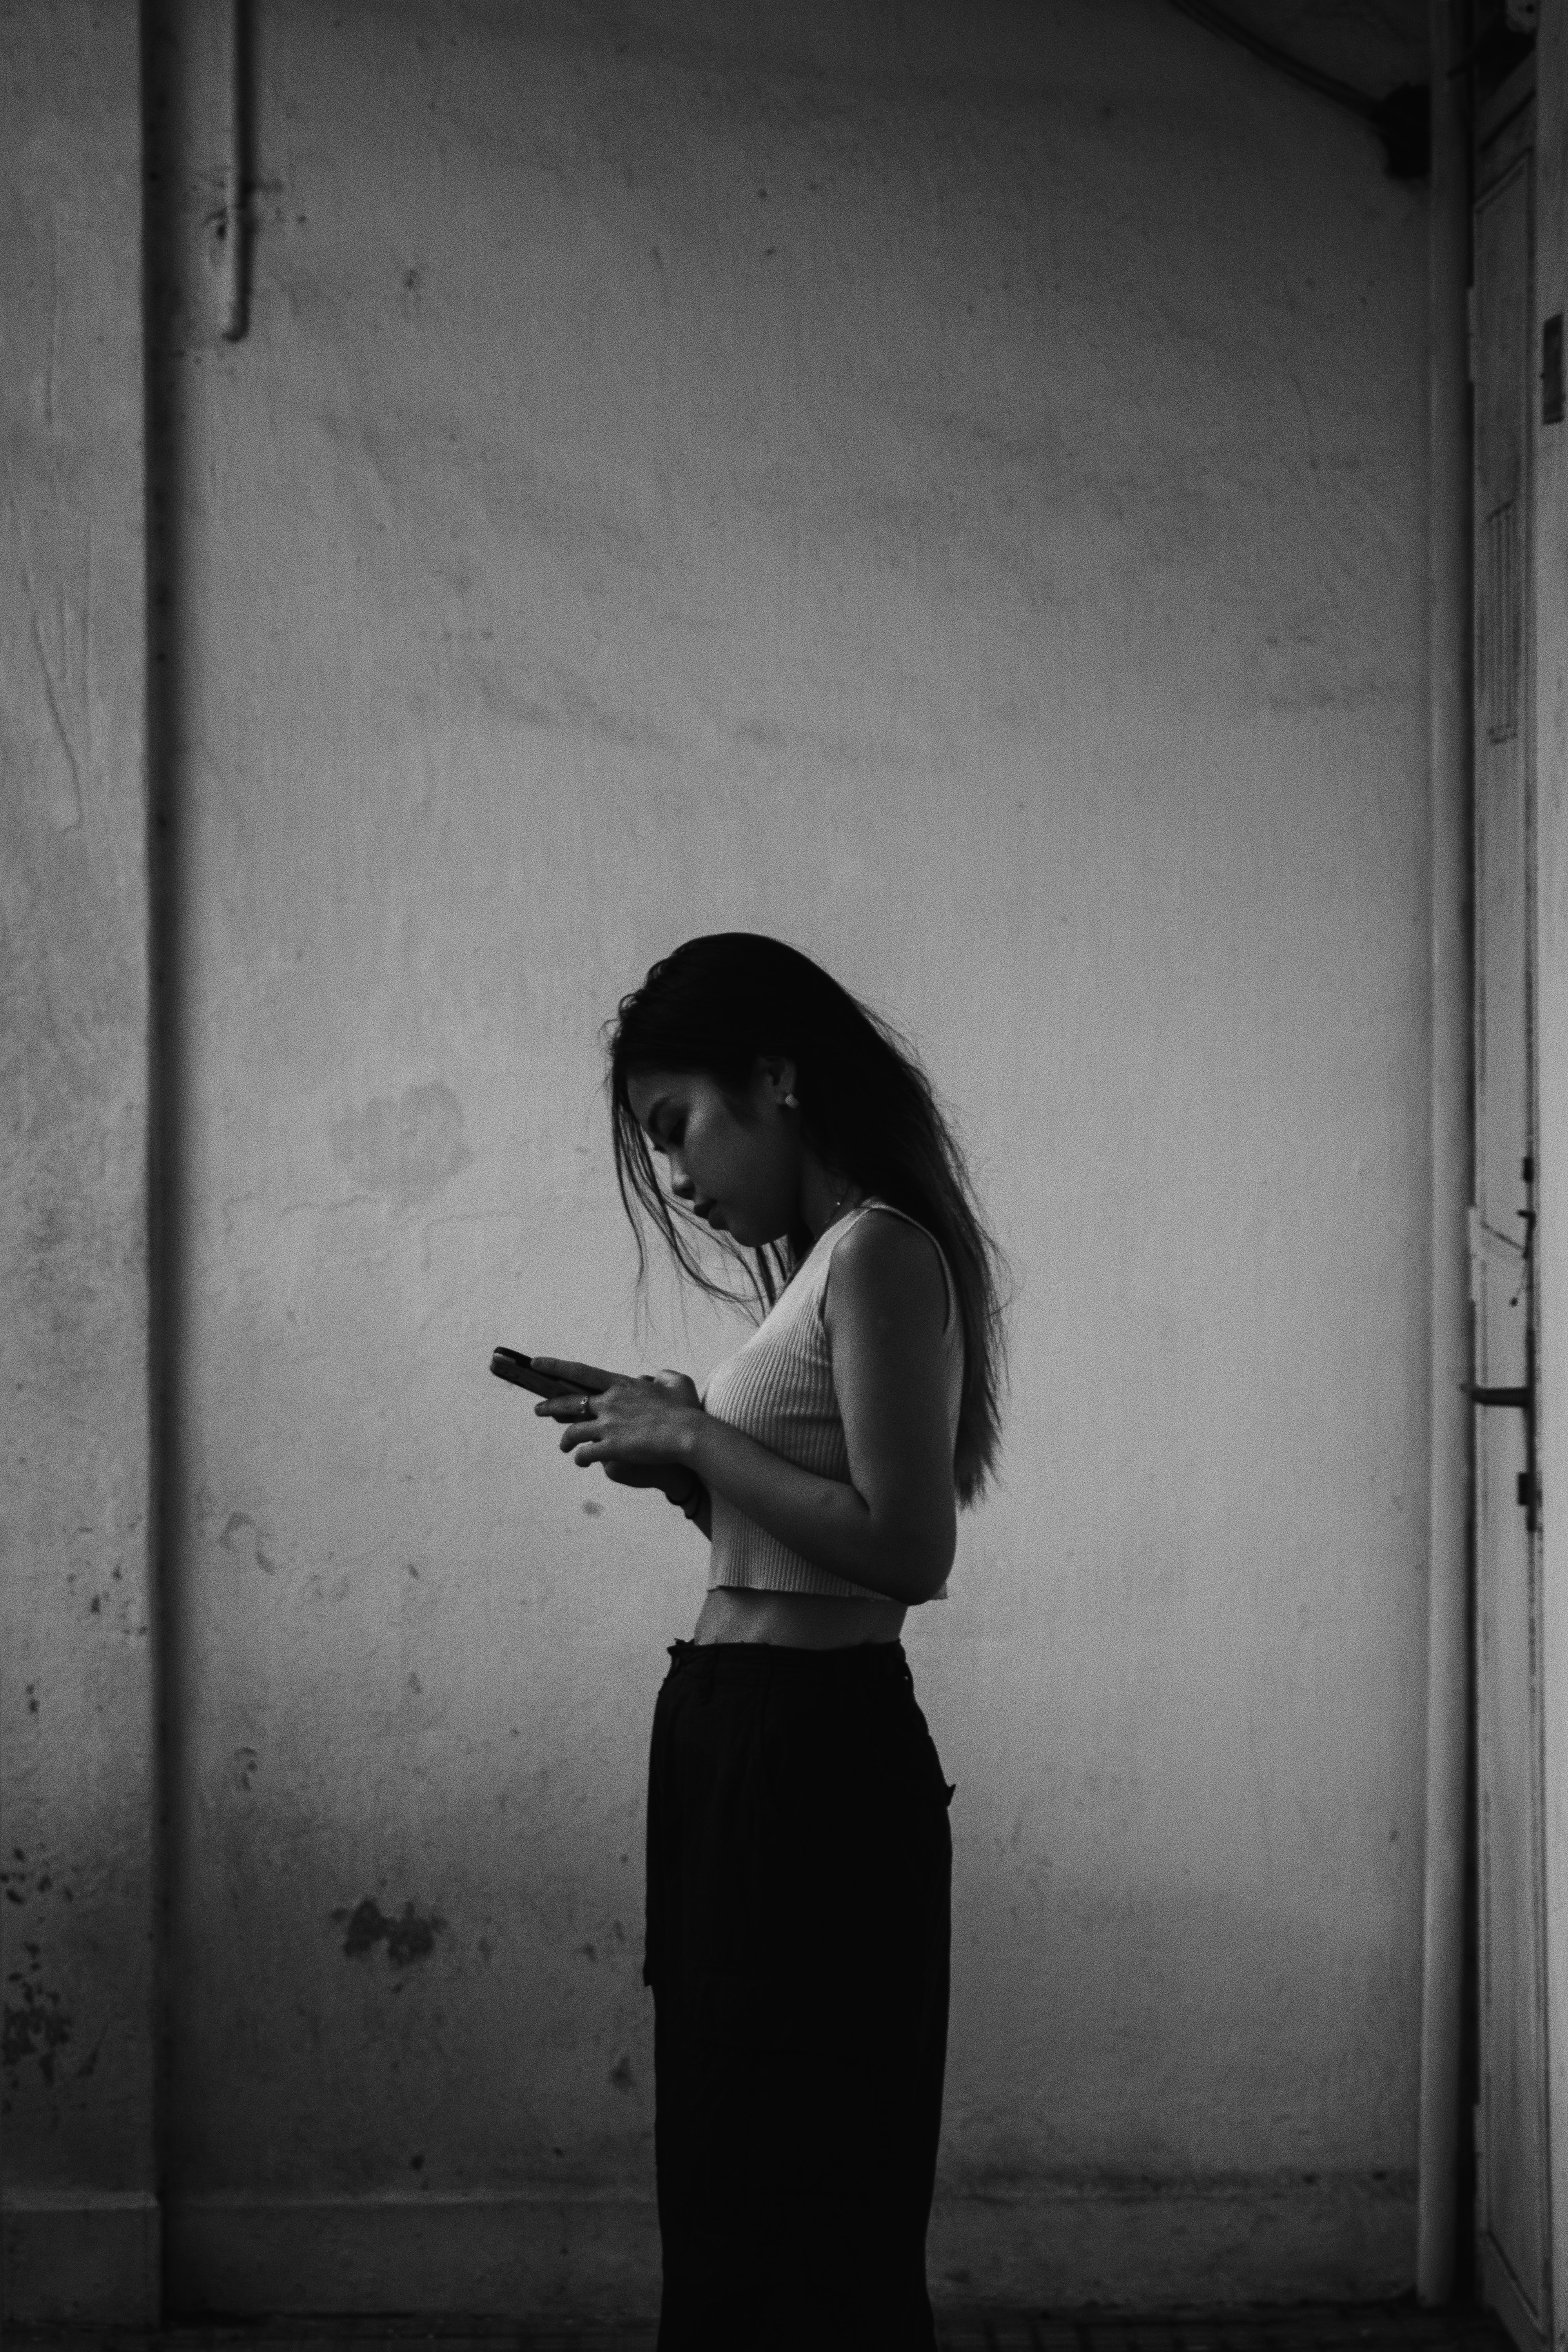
(868, 1110)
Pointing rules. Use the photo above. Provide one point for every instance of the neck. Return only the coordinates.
(824, 1197)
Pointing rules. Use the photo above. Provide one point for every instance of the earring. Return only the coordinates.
(792, 1102)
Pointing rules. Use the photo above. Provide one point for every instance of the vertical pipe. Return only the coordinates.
(233, 226)
(182, 152)
(161, 149)
(1449, 1536)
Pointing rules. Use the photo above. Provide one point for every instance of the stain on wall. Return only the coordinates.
(35, 2024)
(407, 1148)
(407, 1937)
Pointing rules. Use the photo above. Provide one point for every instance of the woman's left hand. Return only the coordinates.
(648, 1421)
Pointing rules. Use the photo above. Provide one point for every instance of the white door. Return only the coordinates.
(1513, 2216)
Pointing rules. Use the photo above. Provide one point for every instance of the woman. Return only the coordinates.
(798, 1852)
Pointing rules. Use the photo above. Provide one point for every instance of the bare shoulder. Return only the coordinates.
(889, 1269)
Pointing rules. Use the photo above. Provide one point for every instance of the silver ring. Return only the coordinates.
(587, 1411)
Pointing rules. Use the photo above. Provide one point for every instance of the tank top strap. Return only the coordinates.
(852, 1217)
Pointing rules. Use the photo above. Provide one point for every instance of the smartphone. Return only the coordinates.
(510, 1364)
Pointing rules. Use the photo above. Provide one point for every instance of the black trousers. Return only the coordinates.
(799, 1874)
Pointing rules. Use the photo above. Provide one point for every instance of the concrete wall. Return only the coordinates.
(948, 488)
(953, 495)
(76, 1677)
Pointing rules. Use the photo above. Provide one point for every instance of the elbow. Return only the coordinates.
(917, 1566)
(926, 1580)
(900, 1545)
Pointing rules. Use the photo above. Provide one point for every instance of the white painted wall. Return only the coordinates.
(992, 558)
(76, 1685)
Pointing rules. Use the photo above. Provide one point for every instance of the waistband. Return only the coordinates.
(742, 1662)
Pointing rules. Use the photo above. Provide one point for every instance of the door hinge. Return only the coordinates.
(1554, 391)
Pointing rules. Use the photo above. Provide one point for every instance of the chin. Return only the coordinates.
(758, 1236)
(748, 1232)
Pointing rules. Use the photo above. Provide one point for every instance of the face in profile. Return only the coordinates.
(736, 1164)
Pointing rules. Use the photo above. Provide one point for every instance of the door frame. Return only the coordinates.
(1551, 893)
(1447, 1992)
(1505, 1529)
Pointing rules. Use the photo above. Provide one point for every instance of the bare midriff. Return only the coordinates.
(796, 1621)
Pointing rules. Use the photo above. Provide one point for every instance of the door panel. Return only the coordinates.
(1513, 2216)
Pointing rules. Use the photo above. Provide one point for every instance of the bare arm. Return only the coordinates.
(893, 1527)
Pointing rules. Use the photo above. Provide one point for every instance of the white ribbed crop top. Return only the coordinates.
(778, 1388)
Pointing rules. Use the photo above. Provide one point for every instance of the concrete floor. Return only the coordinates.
(1383, 2328)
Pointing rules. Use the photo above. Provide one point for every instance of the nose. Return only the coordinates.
(681, 1184)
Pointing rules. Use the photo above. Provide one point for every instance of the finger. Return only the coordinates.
(588, 1376)
(573, 1437)
(561, 1408)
